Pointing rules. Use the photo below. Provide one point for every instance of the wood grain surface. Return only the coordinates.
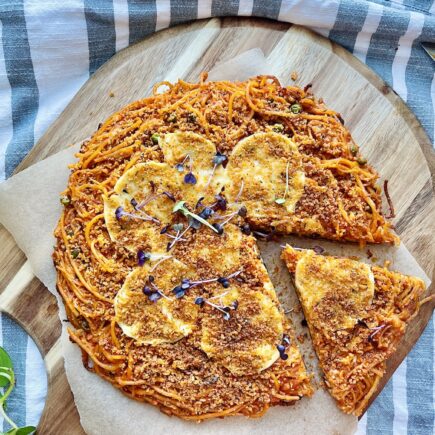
(389, 134)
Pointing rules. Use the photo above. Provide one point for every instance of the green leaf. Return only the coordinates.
(20, 431)
(5, 361)
(6, 375)
(25, 430)
(179, 206)
(280, 201)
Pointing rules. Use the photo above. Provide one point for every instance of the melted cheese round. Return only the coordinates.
(219, 254)
(200, 151)
(258, 168)
(335, 291)
(163, 321)
(143, 182)
(246, 343)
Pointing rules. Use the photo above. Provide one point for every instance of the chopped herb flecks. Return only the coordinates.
(155, 138)
(278, 128)
(296, 108)
(65, 200)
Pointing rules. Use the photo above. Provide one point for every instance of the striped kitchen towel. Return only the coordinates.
(50, 48)
(25, 404)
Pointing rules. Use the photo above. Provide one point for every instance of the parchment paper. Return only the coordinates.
(30, 208)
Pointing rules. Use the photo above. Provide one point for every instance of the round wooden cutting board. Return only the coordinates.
(390, 136)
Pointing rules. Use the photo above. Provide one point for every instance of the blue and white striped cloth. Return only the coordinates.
(50, 48)
(25, 404)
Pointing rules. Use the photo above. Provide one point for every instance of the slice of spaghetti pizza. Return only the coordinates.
(291, 192)
(356, 315)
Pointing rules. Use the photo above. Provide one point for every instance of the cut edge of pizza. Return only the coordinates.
(356, 315)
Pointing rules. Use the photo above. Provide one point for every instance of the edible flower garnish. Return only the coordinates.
(282, 200)
(142, 257)
(225, 309)
(180, 207)
(120, 212)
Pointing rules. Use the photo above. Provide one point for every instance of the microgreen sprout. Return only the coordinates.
(186, 284)
(142, 257)
(7, 379)
(206, 212)
(224, 309)
(178, 227)
(246, 229)
(180, 207)
(120, 212)
(220, 204)
(375, 330)
(242, 211)
(178, 236)
(218, 159)
(152, 291)
(218, 228)
(240, 191)
(282, 347)
(199, 202)
(160, 261)
(189, 178)
(282, 200)
(150, 198)
(180, 166)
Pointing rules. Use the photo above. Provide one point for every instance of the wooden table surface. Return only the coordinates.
(390, 135)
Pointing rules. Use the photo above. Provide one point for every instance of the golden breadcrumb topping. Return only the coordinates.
(356, 315)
